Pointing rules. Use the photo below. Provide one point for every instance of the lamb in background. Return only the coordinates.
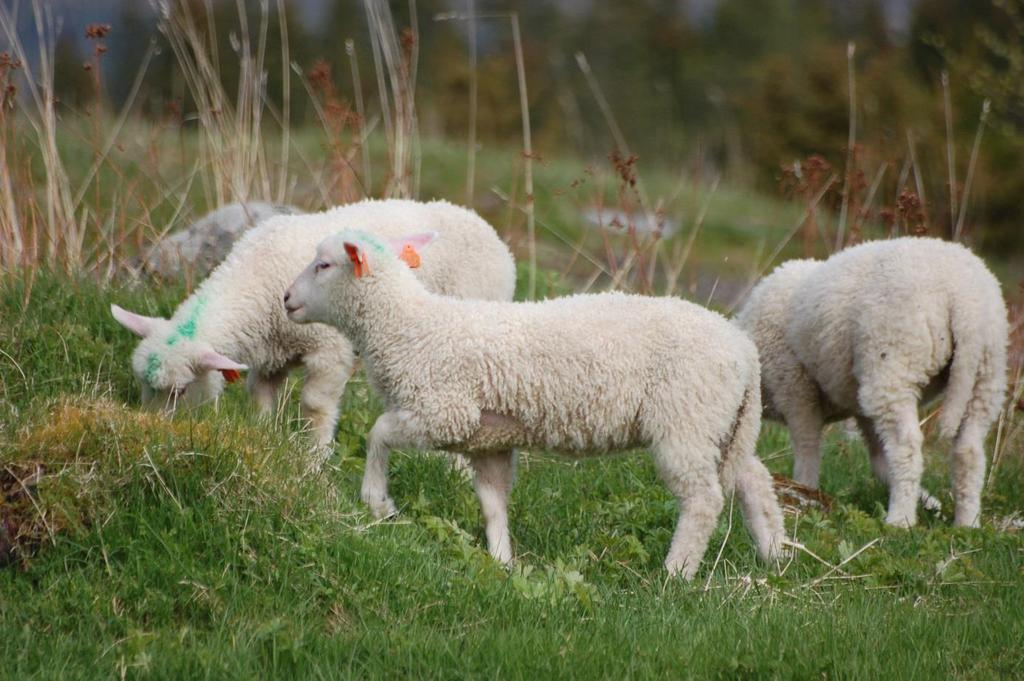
(870, 333)
(203, 245)
(234, 321)
(585, 375)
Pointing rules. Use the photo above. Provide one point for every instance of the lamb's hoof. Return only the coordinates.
(685, 570)
(901, 520)
(930, 503)
(778, 551)
(503, 556)
(382, 508)
(973, 521)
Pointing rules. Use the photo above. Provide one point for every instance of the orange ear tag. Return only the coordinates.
(358, 258)
(410, 256)
(230, 375)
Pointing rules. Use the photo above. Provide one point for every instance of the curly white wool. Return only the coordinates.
(583, 375)
(869, 333)
(236, 314)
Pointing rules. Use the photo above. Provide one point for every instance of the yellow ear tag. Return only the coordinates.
(410, 256)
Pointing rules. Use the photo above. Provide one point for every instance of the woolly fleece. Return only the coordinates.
(584, 375)
(870, 333)
(237, 311)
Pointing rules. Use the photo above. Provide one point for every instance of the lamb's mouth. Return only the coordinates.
(292, 311)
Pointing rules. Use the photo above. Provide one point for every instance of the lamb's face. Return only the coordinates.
(171, 368)
(173, 376)
(334, 286)
(307, 299)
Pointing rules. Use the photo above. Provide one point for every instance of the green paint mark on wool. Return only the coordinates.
(152, 366)
(371, 241)
(187, 328)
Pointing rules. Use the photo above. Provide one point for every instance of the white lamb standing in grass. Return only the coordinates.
(585, 375)
(870, 333)
(234, 321)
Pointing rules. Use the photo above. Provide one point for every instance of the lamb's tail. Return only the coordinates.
(744, 472)
(977, 373)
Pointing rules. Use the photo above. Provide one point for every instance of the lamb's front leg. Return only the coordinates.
(327, 371)
(494, 474)
(392, 429)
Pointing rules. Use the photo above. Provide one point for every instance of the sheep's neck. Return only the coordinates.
(391, 325)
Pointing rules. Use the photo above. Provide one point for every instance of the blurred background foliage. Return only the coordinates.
(735, 88)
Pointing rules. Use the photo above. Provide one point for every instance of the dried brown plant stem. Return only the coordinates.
(402, 135)
(916, 167)
(286, 105)
(851, 140)
(473, 105)
(524, 109)
(350, 50)
(972, 164)
(950, 150)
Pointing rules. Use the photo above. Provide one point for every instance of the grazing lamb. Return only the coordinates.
(585, 375)
(234, 320)
(870, 333)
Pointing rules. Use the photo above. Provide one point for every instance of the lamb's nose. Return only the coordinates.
(287, 295)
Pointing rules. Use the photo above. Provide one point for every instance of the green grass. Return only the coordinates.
(196, 548)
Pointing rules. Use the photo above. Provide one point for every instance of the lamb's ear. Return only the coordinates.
(408, 248)
(138, 324)
(215, 361)
(357, 254)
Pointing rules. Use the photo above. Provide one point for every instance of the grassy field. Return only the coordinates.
(196, 548)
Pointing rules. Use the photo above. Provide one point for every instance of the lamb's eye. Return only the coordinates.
(321, 266)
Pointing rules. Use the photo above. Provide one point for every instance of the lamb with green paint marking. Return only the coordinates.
(234, 321)
(584, 375)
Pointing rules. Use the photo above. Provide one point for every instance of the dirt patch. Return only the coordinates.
(22, 528)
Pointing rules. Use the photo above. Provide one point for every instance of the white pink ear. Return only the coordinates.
(417, 241)
(214, 361)
(138, 324)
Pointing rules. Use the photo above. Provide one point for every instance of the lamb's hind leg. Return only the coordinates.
(493, 476)
(761, 510)
(805, 424)
(968, 472)
(880, 467)
(901, 439)
(691, 472)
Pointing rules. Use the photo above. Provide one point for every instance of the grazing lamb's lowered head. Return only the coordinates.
(170, 365)
(322, 292)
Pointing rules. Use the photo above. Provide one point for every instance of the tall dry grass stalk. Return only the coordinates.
(357, 87)
(396, 56)
(947, 108)
(473, 106)
(231, 148)
(63, 235)
(851, 141)
(969, 182)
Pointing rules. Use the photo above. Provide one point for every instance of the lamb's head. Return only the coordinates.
(348, 267)
(172, 366)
